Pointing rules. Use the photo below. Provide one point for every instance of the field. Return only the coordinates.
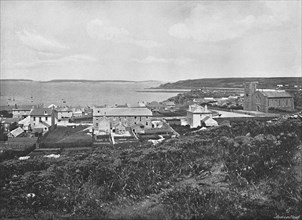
(67, 135)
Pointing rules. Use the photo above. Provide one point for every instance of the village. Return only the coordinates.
(35, 129)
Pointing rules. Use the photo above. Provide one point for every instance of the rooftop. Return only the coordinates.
(41, 111)
(63, 109)
(275, 93)
(122, 112)
(198, 109)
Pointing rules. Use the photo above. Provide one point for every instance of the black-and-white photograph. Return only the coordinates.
(153, 109)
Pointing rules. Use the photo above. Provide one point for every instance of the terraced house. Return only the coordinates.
(111, 118)
(22, 111)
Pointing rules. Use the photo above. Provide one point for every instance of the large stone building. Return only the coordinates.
(263, 99)
(196, 115)
(111, 118)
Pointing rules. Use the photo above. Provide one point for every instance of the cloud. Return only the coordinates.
(40, 43)
(77, 58)
(212, 24)
(103, 30)
(152, 60)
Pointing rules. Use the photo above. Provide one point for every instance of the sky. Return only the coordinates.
(150, 40)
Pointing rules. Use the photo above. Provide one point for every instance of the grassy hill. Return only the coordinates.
(232, 82)
(248, 170)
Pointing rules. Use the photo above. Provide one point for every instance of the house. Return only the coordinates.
(264, 99)
(41, 127)
(195, 115)
(120, 116)
(22, 111)
(15, 133)
(168, 104)
(64, 113)
(43, 119)
(103, 125)
(156, 106)
(222, 101)
(77, 112)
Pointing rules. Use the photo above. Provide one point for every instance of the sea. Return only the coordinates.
(80, 93)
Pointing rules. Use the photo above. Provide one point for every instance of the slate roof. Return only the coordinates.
(122, 112)
(6, 108)
(41, 112)
(16, 132)
(64, 109)
(275, 94)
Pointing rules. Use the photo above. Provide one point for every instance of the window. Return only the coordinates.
(96, 124)
(146, 117)
(135, 117)
(45, 118)
(146, 123)
(140, 118)
(34, 118)
(40, 119)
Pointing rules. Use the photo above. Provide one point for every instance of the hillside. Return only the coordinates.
(244, 170)
(269, 83)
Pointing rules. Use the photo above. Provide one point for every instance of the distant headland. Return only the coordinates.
(232, 82)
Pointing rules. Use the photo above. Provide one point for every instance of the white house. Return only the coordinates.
(127, 117)
(77, 112)
(22, 111)
(195, 114)
(43, 119)
(64, 113)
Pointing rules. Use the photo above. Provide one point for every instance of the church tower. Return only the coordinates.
(249, 96)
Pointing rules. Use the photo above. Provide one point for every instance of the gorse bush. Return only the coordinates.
(226, 172)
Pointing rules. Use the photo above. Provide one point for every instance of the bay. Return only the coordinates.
(79, 93)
